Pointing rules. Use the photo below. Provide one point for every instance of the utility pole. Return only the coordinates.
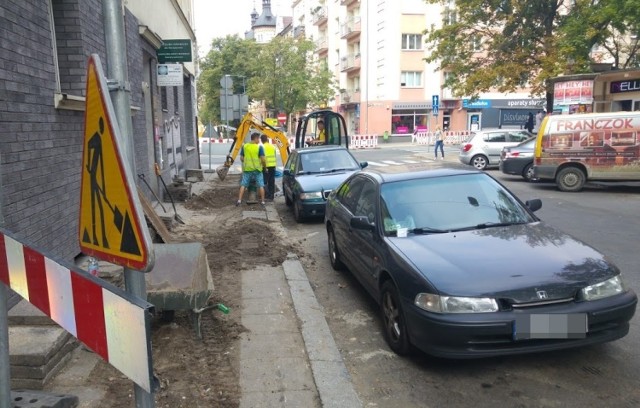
(119, 87)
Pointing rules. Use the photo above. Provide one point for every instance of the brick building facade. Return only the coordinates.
(44, 49)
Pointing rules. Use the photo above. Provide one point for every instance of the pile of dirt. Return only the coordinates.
(204, 372)
(214, 198)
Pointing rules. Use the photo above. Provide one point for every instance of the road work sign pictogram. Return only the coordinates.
(110, 224)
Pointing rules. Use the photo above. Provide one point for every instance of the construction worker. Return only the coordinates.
(269, 172)
(322, 136)
(253, 161)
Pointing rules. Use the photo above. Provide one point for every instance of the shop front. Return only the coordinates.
(499, 113)
(617, 91)
(408, 117)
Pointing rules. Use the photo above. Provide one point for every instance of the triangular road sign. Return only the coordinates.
(110, 222)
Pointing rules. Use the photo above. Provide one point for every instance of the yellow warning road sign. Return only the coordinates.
(110, 225)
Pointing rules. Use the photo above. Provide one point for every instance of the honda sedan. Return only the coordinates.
(462, 268)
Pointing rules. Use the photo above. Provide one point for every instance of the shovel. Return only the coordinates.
(176, 217)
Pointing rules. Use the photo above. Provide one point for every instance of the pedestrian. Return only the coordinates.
(269, 172)
(529, 124)
(253, 161)
(439, 142)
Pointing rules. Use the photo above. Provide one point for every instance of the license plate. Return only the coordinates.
(550, 326)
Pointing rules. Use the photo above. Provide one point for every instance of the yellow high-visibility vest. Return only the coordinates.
(270, 154)
(251, 157)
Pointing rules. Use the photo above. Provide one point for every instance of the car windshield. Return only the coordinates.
(327, 161)
(434, 205)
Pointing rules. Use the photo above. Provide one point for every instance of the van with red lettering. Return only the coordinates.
(574, 149)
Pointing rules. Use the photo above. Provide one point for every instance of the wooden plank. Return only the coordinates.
(154, 219)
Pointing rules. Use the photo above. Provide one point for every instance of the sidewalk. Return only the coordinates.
(288, 357)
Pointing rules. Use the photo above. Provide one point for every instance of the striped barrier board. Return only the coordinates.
(109, 321)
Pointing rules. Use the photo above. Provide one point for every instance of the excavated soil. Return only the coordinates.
(204, 372)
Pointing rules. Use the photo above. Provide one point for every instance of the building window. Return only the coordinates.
(411, 79)
(411, 41)
(476, 43)
(407, 121)
(449, 15)
(163, 98)
(176, 103)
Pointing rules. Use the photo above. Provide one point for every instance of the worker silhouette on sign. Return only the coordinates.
(95, 165)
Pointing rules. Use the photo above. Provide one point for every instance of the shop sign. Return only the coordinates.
(476, 104)
(630, 85)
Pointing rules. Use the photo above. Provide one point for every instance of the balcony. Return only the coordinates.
(322, 45)
(298, 31)
(320, 16)
(348, 3)
(350, 96)
(350, 29)
(350, 63)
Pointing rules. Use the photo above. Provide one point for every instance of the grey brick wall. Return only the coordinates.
(40, 146)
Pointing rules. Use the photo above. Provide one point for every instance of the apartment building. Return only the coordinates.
(44, 50)
(375, 49)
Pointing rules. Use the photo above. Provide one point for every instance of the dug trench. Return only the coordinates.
(204, 372)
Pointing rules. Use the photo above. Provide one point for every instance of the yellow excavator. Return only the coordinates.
(248, 125)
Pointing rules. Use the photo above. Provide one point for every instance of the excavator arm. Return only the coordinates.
(248, 124)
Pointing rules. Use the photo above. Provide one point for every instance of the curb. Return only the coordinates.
(330, 374)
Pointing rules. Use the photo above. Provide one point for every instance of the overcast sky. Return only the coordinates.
(219, 18)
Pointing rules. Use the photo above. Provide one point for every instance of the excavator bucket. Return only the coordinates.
(222, 172)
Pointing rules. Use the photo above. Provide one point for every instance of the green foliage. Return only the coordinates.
(228, 56)
(281, 73)
(526, 42)
(287, 78)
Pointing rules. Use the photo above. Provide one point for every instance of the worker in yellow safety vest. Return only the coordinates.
(253, 161)
(269, 172)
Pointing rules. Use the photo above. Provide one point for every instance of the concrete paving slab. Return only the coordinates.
(24, 313)
(38, 384)
(40, 372)
(262, 215)
(35, 345)
(280, 399)
(255, 346)
(272, 305)
(267, 374)
(39, 399)
(270, 323)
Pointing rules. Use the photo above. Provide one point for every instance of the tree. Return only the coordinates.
(288, 79)
(505, 44)
(228, 56)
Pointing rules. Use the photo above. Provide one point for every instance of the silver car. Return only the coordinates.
(482, 149)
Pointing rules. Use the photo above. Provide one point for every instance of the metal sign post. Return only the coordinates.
(117, 62)
(5, 380)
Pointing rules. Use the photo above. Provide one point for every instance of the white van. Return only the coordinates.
(574, 149)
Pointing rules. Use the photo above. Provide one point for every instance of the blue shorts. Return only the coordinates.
(247, 176)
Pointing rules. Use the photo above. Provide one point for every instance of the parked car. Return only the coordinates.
(518, 159)
(311, 173)
(461, 268)
(482, 149)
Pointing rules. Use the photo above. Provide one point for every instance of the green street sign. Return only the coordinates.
(175, 51)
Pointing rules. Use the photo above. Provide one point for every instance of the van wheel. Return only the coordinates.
(570, 179)
(480, 162)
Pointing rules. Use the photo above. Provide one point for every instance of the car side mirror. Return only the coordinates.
(286, 172)
(363, 164)
(534, 205)
(362, 223)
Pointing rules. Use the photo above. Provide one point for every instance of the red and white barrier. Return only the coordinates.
(104, 318)
(214, 140)
(449, 137)
(363, 141)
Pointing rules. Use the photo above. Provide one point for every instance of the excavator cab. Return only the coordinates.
(322, 127)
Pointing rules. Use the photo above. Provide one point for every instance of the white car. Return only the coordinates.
(483, 148)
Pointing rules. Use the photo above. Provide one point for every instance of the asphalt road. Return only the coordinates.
(599, 376)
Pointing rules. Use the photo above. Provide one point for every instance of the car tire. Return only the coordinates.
(297, 211)
(334, 253)
(287, 200)
(570, 179)
(527, 173)
(393, 320)
(480, 162)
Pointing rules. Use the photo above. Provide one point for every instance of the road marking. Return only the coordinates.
(410, 161)
(372, 163)
(392, 162)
